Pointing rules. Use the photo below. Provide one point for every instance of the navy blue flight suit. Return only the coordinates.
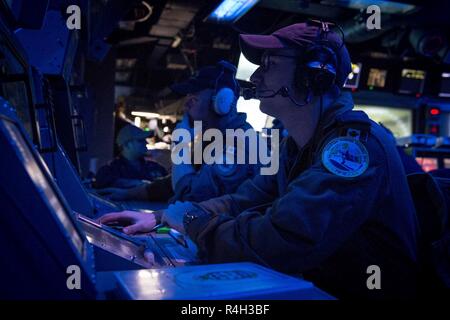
(209, 180)
(308, 220)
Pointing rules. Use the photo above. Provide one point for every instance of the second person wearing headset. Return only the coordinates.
(211, 97)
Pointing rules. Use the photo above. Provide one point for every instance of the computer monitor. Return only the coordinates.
(15, 85)
(445, 85)
(447, 163)
(352, 81)
(398, 120)
(229, 11)
(40, 237)
(428, 164)
(16, 94)
(377, 78)
(412, 81)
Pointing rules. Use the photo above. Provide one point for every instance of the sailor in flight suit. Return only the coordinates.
(130, 168)
(203, 181)
(340, 202)
(198, 182)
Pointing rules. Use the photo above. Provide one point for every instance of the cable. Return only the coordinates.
(333, 25)
(150, 12)
(250, 93)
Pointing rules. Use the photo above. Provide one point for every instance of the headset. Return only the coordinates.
(224, 98)
(316, 68)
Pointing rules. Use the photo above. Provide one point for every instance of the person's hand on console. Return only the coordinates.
(134, 221)
(140, 222)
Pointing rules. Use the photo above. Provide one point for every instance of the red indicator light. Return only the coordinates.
(434, 129)
(435, 111)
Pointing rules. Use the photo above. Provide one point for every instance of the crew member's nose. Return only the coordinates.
(256, 77)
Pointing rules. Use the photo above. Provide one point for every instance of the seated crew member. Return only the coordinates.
(198, 182)
(130, 168)
(340, 201)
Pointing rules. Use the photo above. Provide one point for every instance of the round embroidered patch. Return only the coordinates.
(345, 157)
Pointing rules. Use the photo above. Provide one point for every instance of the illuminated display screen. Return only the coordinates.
(12, 88)
(352, 81)
(231, 10)
(427, 164)
(398, 120)
(445, 85)
(245, 69)
(412, 81)
(447, 163)
(377, 78)
(40, 180)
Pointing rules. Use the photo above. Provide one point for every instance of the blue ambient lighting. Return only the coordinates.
(231, 10)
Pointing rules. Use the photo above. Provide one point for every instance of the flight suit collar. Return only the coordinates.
(342, 104)
(298, 159)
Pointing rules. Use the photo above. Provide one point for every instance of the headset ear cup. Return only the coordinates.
(320, 67)
(321, 80)
(223, 101)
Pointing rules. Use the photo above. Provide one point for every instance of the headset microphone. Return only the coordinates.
(284, 92)
(250, 93)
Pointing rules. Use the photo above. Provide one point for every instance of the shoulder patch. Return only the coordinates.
(345, 157)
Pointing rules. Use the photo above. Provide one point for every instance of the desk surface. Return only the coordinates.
(218, 281)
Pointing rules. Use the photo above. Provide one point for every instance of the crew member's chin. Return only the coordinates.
(266, 106)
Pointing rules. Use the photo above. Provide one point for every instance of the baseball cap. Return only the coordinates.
(296, 36)
(130, 132)
(208, 77)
